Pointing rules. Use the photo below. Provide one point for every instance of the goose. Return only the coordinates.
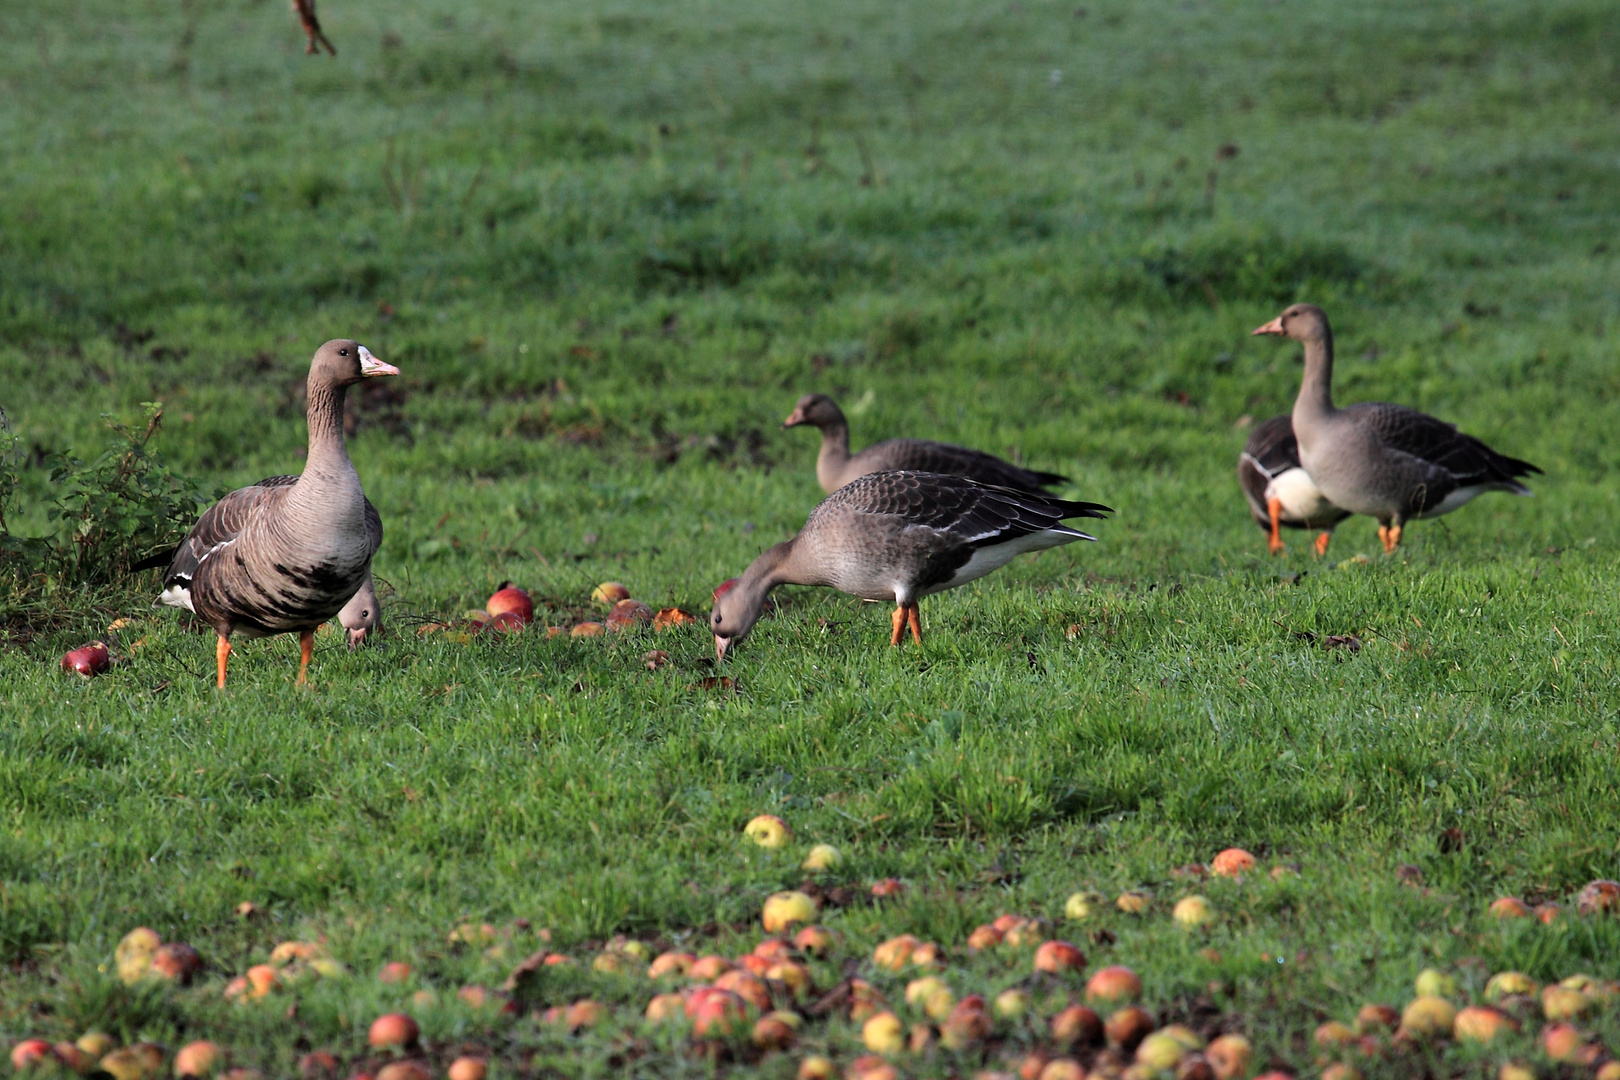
(288, 553)
(900, 535)
(1385, 461)
(362, 615)
(1280, 492)
(835, 467)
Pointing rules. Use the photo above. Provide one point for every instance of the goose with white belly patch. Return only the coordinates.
(1280, 492)
(288, 553)
(900, 536)
(1386, 461)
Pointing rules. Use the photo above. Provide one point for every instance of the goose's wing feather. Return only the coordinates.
(958, 509)
(220, 524)
(923, 455)
(374, 528)
(1467, 460)
(1272, 446)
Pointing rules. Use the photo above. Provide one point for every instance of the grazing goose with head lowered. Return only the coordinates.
(835, 467)
(900, 536)
(1281, 493)
(1386, 461)
(286, 554)
(362, 615)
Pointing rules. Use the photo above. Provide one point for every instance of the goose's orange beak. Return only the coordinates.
(371, 367)
(1272, 327)
(795, 418)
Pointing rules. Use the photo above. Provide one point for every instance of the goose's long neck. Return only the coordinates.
(834, 454)
(1315, 401)
(328, 455)
(773, 567)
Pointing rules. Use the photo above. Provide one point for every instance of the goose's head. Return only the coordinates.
(1302, 322)
(817, 410)
(341, 362)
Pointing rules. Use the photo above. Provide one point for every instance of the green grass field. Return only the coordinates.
(609, 246)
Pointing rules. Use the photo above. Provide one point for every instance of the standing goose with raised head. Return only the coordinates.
(1280, 492)
(288, 553)
(835, 467)
(1386, 461)
(900, 536)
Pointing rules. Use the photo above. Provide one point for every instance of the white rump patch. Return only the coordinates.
(177, 596)
(1301, 499)
(992, 557)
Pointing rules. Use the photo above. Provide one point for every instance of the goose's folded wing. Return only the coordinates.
(219, 525)
(967, 512)
(1468, 460)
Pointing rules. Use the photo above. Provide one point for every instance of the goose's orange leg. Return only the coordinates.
(222, 653)
(899, 620)
(914, 620)
(1392, 539)
(306, 649)
(1321, 543)
(1274, 508)
(1383, 536)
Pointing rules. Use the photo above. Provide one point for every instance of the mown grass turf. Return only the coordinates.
(609, 247)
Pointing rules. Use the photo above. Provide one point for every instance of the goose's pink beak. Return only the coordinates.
(371, 367)
(795, 418)
(721, 645)
(1272, 327)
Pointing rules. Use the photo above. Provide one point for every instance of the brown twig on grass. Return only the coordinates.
(312, 28)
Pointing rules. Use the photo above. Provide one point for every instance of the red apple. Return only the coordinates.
(1509, 907)
(815, 940)
(772, 1033)
(509, 599)
(506, 622)
(610, 593)
(709, 968)
(395, 971)
(1598, 896)
(200, 1059)
(887, 888)
(88, 660)
(1233, 862)
(984, 937)
(587, 629)
(746, 985)
(393, 1029)
(671, 617)
(1056, 956)
(1371, 1018)
(1129, 1026)
(29, 1053)
(1115, 983)
(404, 1070)
(714, 1011)
(467, 1068)
(670, 963)
(177, 962)
(1077, 1024)
(627, 614)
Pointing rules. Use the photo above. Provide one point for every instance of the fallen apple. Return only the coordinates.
(627, 614)
(1114, 984)
(89, 660)
(1504, 983)
(871, 1067)
(1081, 906)
(1058, 956)
(1509, 907)
(768, 831)
(610, 593)
(772, 1033)
(1062, 1069)
(893, 954)
(1609, 1070)
(133, 956)
(665, 1007)
(1340, 1070)
(395, 971)
(584, 1013)
(1159, 1051)
(864, 1001)
(127, 1064)
(754, 965)
(927, 955)
(507, 622)
(967, 1023)
(1132, 902)
(98, 1044)
(1370, 1018)
(475, 996)
(984, 937)
(393, 1030)
(1192, 912)
(587, 629)
(816, 1067)
(177, 962)
(1563, 1003)
(1562, 1042)
(791, 975)
(1482, 1024)
(1229, 1056)
(667, 964)
(887, 888)
(815, 940)
(404, 1070)
(511, 600)
(670, 617)
(1194, 1066)
(917, 990)
(1333, 1034)
(31, 1053)
(1023, 934)
(747, 986)
(822, 857)
(711, 967)
(1598, 896)
(1128, 1026)
(784, 909)
(262, 978)
(199, 1059)
(883, 1034)
(1013, 1003)
(1077, 1026)
(1513, 1070)
(1427, 1016)
(467, 1068)
(75, 1059)
(1233, 862)
(1432, 982)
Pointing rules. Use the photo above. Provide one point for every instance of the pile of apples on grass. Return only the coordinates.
(511, 609)
(1055, 1023)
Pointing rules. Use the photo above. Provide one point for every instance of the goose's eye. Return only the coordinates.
(365, 614)
(343, 352)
